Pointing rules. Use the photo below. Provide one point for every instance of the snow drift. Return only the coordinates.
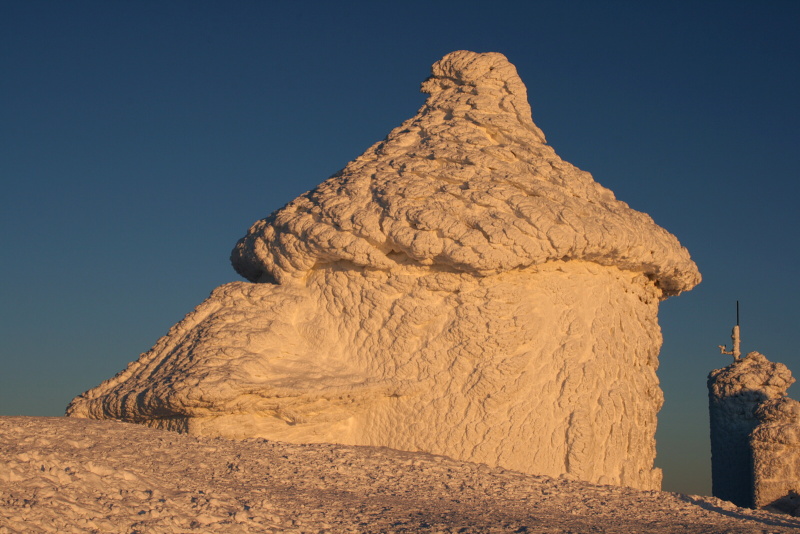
(457, 289)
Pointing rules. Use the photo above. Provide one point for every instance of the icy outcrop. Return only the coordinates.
(457, 289)
(737, 395)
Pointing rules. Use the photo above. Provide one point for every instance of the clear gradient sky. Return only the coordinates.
(139, 141)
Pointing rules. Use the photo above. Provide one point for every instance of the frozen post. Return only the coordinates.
(735, 349)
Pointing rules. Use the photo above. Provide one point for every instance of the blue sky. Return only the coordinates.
(139, 141)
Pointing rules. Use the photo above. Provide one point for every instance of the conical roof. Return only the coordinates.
(468, 184)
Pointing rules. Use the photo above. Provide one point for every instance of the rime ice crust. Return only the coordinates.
(458, 289)
(736, 393)
(549, 372)
(467, 184)
(755, 434)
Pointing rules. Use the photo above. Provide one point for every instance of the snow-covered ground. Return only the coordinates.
(75, 475)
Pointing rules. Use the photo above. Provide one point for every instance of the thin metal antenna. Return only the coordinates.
(737, 313)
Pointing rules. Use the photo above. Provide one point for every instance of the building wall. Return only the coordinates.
(776, 451)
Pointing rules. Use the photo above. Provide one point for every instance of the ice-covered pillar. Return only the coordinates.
(736, 344)
(735, 392)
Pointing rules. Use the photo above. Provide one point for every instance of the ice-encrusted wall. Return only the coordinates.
(457, 289)
(776, 455)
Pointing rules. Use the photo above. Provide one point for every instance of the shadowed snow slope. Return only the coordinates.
(70, 475)
(458, 289)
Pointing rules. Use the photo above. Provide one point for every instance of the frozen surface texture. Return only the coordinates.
(64, 475)
(517, 369)
(458, 289)
(468, 184)
(737, 394)
(776, 455)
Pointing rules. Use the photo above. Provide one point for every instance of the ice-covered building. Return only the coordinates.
(457, 289)
(755, 434)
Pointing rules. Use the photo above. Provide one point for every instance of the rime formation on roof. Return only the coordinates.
(467, 184)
